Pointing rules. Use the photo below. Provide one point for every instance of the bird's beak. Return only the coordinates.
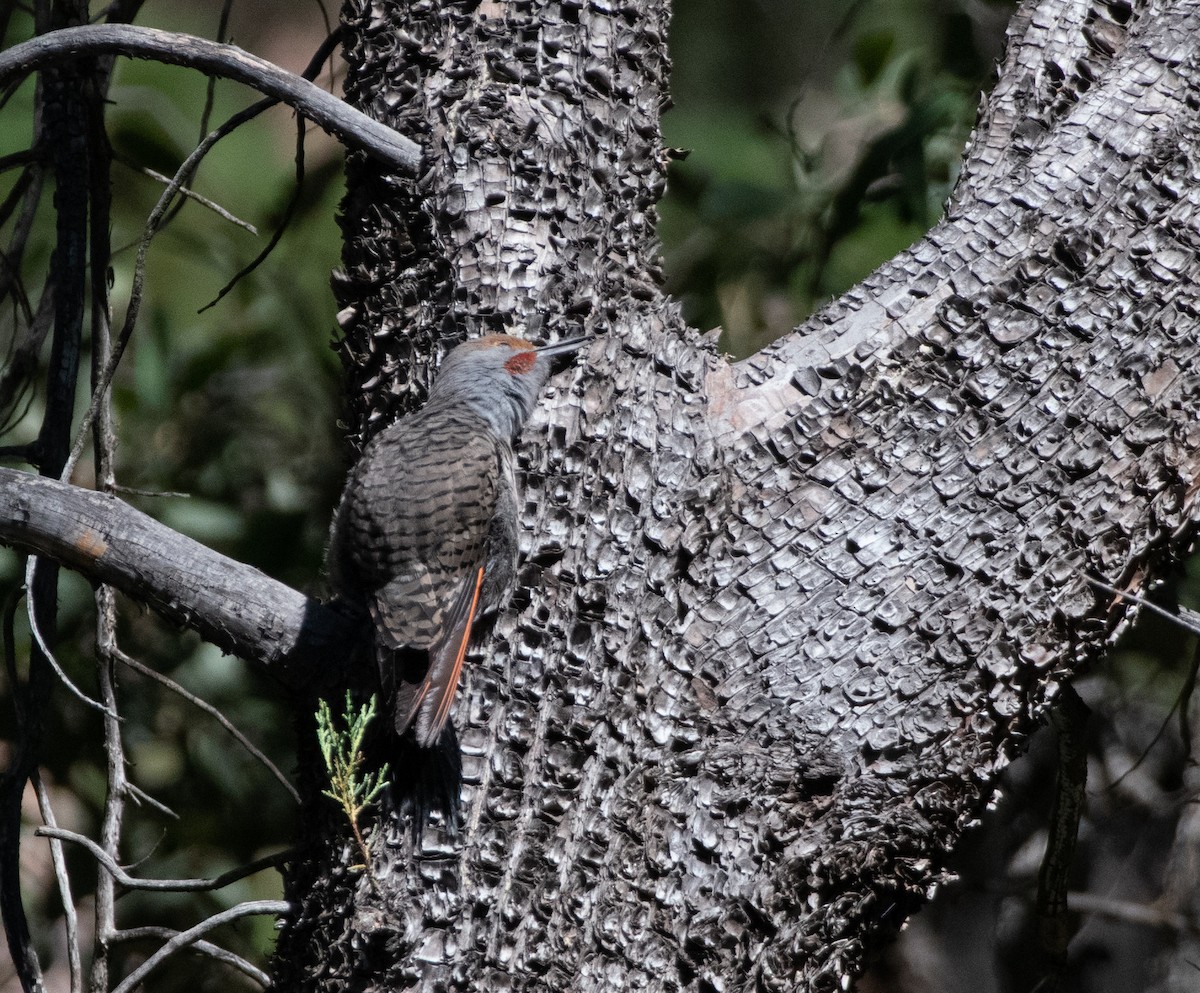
(564, 347)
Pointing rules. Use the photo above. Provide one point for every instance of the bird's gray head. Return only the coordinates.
(498, 377)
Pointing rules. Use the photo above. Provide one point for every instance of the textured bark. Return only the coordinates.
(781, 622)
(788, 618)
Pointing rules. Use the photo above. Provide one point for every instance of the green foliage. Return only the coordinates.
(235, 409)
(785, 204)
(350, 788)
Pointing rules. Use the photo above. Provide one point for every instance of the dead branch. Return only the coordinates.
(350, 126)
(238, 608)
(188, 937)
(164, 885)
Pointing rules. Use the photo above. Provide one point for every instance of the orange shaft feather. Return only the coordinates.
(443, 710)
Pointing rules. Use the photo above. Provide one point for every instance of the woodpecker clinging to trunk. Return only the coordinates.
(425, 536)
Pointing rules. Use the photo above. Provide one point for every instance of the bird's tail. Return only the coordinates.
(427, 782)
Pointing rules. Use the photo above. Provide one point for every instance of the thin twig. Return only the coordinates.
(20, 297)
(15, 159)
(74, 960)
(103, 446)
(1189, 620)
(9, 204)
(335, 116)
(204, 947)
(117, 782)
(141, 796)
(27, 191)
(12, 787)
(210, 92)
(277, 235)
(134, 305)
(8, 620)
(325, 17)
(153, 225)
(157, 494)
(1133, 913)
(135, 297)
(187, 937)
(114, 810)
(213, 712)
(167, 885)
(211, 89)
(162, 836)
(30, 569)
(1069, 717)
(1184, 703)
(189, 193)
(23, 357)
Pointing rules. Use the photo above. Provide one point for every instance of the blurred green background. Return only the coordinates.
(821, 139)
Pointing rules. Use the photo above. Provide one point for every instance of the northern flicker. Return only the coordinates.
(425, 536)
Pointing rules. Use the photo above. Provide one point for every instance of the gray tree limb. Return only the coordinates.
(234, 606)
(782, 622)
(228, 61)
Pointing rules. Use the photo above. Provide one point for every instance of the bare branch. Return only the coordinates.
(74, 961)
(1147, 915)
(232, 605)
(1069, 717)
(1187, 619)
(36, 631)
(190, 194)
(167, 885)
(213, 712)
(207, 139)
(204, 947)
(14, 160)
(280, 228)
(210, 92)
(26, 342)
(16, 928)
(342, 121)
(118, 785)
(140, 796)
(189, 936)
(160, 216)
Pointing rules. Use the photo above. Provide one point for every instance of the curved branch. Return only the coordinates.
(333, 115)
(165, 885)
(201, 947)
(214, 713)
(188, 937)
(233, 605)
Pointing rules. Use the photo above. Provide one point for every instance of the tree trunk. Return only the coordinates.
(786, 619)
(782, 621)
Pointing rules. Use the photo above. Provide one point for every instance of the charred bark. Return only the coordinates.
(783, 621)
(787, 618)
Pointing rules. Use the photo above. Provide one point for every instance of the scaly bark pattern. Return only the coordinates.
(781, 622)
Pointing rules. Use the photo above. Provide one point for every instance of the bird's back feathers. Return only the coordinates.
(411, 542)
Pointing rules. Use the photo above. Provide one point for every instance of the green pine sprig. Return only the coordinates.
(350, 788)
